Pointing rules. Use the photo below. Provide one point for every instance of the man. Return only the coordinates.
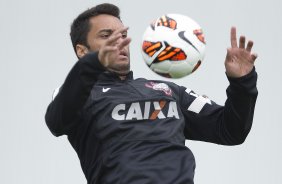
(133, 131)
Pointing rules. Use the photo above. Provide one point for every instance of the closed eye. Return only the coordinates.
(124, 34)
(105, 36)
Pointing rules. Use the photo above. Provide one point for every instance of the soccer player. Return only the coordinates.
(133, 131)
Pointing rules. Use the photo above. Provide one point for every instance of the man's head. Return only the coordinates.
(92, 28)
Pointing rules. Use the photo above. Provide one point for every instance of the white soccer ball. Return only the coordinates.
(173, 46)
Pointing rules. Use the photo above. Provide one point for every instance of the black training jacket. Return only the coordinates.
(133, 131)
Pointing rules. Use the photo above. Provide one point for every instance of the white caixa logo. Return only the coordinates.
(144, 110)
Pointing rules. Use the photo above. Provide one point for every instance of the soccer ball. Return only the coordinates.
(173, 46)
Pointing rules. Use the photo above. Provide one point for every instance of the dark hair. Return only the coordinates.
(80, 26)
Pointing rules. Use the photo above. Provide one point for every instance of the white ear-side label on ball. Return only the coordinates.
(199, 102)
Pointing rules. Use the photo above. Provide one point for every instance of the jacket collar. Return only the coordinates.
(110, 76)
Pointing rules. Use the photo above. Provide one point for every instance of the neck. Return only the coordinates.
(122, 77)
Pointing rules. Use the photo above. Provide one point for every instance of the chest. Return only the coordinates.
(136, 94)
(134, 109)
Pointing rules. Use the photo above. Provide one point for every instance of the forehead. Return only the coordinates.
(105, 21)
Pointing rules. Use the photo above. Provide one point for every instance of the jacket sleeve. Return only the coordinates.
(62, 114)
(228, 124)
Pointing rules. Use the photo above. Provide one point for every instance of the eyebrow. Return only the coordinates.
(110, 31)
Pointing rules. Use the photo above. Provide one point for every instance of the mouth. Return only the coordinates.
(123, 54)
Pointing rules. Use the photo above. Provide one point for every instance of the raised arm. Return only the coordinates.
(62, 115)
(239, 60)
(63, 112)
(231, 123)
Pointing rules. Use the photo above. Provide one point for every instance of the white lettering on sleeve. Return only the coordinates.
(55, 93)
(198, 104)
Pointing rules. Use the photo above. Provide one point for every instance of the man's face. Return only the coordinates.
(102, 27)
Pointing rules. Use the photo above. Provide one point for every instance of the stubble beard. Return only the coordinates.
(121, 69)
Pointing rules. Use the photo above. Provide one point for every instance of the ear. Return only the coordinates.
(81, 50)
